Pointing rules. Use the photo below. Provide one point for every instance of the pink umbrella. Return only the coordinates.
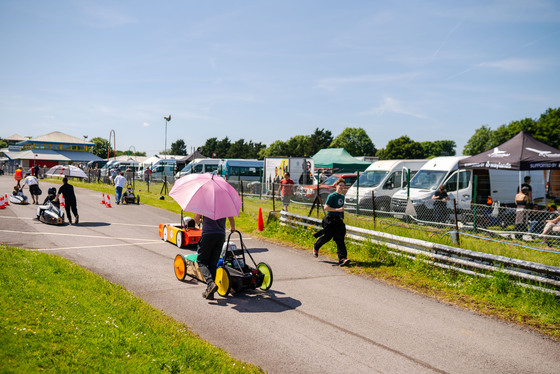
(206, 194)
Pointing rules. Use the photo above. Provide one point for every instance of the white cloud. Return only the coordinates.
(512, 65)
(390, 105)
(145, 124)
(331, 84)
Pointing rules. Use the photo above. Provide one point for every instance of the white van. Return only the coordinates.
(500, 185)
(208, 165)
(382, 179)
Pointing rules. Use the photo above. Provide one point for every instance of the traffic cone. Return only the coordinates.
(62, 202)
(103, 199)
(6, 200)
(108, 204)
(2, 203)
(260, 223)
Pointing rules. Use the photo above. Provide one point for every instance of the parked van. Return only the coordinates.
(235, 170)
(208, 165)
(499, 185)
(383, 179)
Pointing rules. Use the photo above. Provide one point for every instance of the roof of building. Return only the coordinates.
(15, 138)
(57, 137)
(50, 155)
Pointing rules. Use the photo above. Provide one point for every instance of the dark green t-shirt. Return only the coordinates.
(335, 200)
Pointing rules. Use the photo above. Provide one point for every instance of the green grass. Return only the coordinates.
(498, 297)
(58, 317)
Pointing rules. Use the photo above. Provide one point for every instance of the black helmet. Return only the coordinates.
(51, 191)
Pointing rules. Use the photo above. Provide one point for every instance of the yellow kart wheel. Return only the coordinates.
(180, 267)
(267, 272)
(222, 280)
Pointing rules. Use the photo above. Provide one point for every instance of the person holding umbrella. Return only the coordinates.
(212, 199)
(209, 249)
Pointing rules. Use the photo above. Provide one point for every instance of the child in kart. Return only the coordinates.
(19, 193)
(51, 196)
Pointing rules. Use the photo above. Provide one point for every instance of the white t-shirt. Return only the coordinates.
(120, 181)
(30, 180)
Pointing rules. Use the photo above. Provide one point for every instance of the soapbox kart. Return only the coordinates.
(129, 197)
(50, 213)
(20, 198)
(182, 235)
(233, 273)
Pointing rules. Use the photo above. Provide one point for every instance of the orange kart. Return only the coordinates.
(182, 235)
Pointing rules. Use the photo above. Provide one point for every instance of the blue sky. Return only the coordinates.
(270, 70)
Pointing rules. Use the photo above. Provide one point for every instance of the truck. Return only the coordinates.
(492, 185)
(381, 180)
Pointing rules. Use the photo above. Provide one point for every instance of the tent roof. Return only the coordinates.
(522, 152)
(339, 160)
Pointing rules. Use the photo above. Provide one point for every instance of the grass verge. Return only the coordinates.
(63, 318)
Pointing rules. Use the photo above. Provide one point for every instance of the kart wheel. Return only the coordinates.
(165, 233)
(267, 271)
(180, 267)
(222, 280)
(179, 239)
(138, 200)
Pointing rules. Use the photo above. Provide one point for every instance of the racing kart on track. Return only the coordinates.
(182, 235)
(20, 198)
(233, 274)
(128, 196)
(50, 212)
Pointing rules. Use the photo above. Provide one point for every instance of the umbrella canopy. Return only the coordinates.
(206, 194)
(522, 152)
(67, 171)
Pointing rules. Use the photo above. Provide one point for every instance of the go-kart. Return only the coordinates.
(20, 198)
(183, 234)
(128, 196)
(50, 212)
(233, 273)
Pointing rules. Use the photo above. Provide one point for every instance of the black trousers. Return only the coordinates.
(335, 229)
(71, 206)
(209, 251)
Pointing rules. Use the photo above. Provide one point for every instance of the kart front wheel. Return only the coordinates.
(267, 272)
(180, 267)
(222, 280)
(138, 200)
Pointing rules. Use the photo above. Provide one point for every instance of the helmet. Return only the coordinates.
(51, 191)
(189, 222)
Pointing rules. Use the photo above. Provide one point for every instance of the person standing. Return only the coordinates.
(527, 183)
(147, 174)
(440, 198)
(285, 190)
(18, 175)
(36, 170)
(67, 191)
(333, 224)
(33, 183)
(209, 249)
(120, 181)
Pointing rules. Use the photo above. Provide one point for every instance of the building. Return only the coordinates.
(55, 148)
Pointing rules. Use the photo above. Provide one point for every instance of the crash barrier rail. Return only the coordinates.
(463, 260)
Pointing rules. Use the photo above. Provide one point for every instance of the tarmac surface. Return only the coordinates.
(316, 318)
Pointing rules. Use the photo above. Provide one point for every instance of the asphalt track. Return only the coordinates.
(316, 318)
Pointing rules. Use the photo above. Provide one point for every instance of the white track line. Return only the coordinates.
(75, 235)
(98, 246)
(110, 223)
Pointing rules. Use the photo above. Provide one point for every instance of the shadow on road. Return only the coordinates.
(259, 302)
(94, 224)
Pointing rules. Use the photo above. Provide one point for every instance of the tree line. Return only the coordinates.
(358, 143)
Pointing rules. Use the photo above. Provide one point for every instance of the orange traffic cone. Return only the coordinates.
(6, 200)
(2, 203)
(62, 202)
(260, 223)
(103, 199)
(108, 205)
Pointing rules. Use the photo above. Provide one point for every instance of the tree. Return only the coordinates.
(101, 147)
(438, 148)
(209, 148)
(278, 148)
(402, 148)
(479, 142)
(356, 141)
(547, 129)
(178, 148)
(320, 139)
(3, 144)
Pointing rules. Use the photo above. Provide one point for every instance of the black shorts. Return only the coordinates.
(34, 189)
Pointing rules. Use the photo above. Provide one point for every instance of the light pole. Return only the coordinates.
(167, 119)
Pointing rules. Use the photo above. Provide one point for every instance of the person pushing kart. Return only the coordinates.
(67, 191)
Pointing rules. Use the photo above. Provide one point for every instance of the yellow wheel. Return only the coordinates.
(222, 280)
(180, 267)
(267, 272)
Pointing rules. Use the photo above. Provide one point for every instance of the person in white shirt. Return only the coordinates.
(120, 181)
(33, 184)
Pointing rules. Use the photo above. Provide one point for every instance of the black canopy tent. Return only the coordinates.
(522, 152)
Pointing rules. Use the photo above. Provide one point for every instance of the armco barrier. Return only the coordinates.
(462, 260)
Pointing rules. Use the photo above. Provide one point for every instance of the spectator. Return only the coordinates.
(67, 191)
(18, 175)
(333, 224)
(527, 184)
(285, 190)
(120, 181)
(147, 175)
(522, 203)
(440, 198)
(552, 225)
